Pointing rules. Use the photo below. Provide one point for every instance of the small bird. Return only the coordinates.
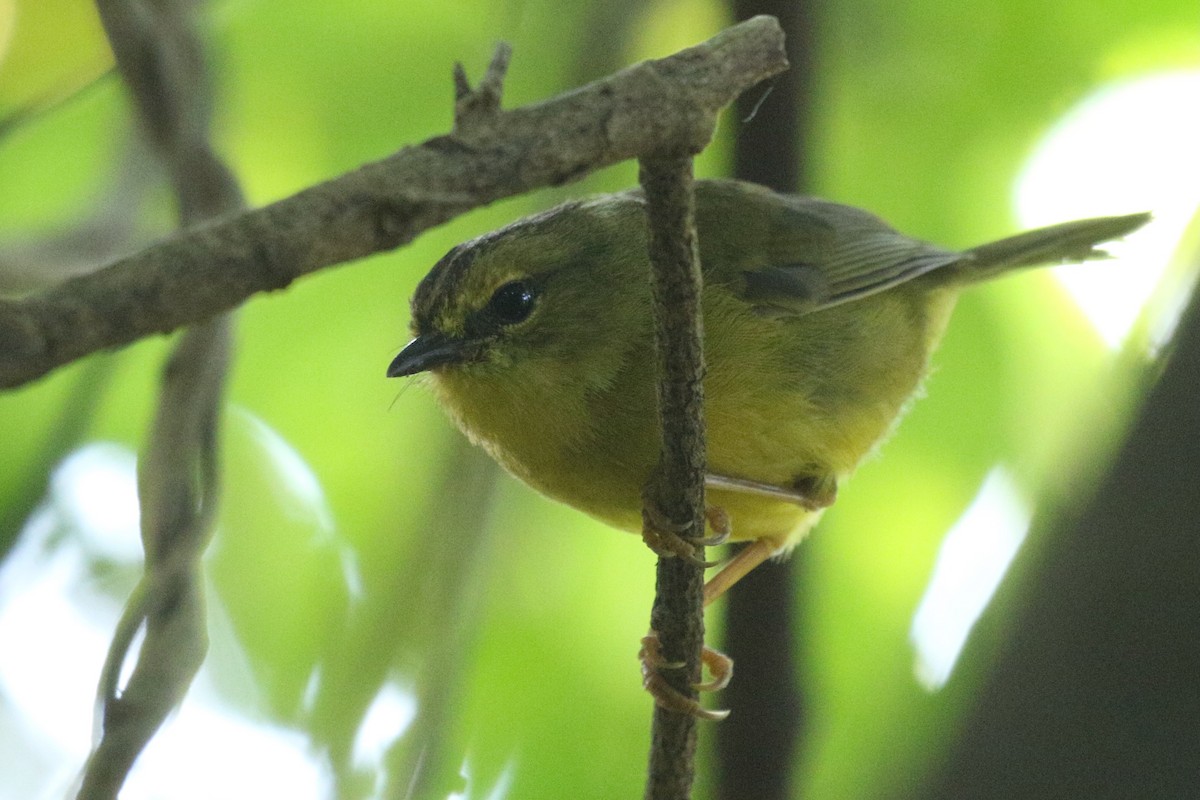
(819, 321)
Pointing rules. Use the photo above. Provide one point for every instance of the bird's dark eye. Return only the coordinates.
(512, 302)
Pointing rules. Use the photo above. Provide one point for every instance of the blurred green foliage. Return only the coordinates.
(924, 113)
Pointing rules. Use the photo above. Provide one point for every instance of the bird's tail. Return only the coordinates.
(1067, 242)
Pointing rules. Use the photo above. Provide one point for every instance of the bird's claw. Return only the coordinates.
(666, 537)
(667, 696)
(718, 520)
(720, 667)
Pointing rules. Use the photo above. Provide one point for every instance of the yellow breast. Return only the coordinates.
(784, 397)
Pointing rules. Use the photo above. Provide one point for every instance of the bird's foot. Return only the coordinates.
(718, 522)
(719, 665)
(666, 537)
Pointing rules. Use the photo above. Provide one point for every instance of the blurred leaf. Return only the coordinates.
(48, 49)
(280, 569)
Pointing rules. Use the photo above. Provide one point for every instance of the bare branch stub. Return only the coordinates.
(212, 268)
(476, 109)
(462, 84)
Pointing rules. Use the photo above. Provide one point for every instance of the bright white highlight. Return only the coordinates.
(54, 624)
(61, 590)
(389, 716)
(209, 751)
(973, 558)
(95, 491)
(1129, 147)
(498, 791)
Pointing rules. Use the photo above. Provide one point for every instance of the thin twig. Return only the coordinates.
(159, 57)
(676, 489)
(672, 102)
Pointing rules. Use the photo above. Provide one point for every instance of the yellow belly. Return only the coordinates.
(784, 399)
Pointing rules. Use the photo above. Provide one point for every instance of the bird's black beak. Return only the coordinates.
(430, 350)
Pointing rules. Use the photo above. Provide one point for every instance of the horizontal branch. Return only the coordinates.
(667, 105)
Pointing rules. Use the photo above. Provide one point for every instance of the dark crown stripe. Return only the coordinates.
(445, 280)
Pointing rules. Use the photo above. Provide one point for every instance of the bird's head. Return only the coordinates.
(540, 300)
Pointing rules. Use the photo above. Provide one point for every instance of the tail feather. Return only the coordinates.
(1068, 242)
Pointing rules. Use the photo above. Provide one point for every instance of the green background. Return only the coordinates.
(522, 622)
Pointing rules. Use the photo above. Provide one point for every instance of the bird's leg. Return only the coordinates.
(812, 491)
(664, 537)
(719, 665)
(737, 568)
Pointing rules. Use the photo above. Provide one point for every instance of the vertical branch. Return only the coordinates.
(676, 490)
(160, 59)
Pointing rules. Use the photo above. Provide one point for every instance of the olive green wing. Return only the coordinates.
(795, 255)
(801, 254)
(847, 270)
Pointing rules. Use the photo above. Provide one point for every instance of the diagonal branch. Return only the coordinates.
(670, 103)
